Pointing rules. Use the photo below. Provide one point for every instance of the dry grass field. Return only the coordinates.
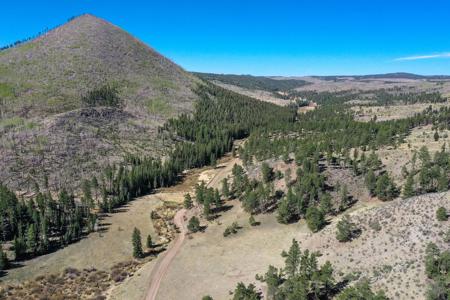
(257, 94)
(100, 250)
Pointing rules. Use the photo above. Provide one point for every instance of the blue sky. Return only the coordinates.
(265, 37)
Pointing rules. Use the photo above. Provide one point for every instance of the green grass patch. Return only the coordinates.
(4, 71)
(159, 106)
(16, 122)
(26, 46)
(12, 122)
(163, 84)
(6, 90)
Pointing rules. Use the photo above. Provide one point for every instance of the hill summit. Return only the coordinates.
(46, 128)
(49, 74)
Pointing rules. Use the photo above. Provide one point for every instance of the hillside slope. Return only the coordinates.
(47, 130)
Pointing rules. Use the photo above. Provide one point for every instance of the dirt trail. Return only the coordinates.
(163, 266)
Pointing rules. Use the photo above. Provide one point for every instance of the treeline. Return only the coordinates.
(384, 98)
(42, 223)
(392, 96)
(333, 130)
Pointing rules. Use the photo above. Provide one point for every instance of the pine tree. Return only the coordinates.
(207, 209)
(193, 224)
(292, 259)
(325, 203)
(267, 172)
(442, 181)
(371, 181)
(20, 246)
(187, 201)
(31, 239)
(345, 229)
(217, 200)
(284, 211)
(385, 189)
(3, 260)
(436, 136)
(225, 188)
(345, 199)
(408, 189)
(137, 244)
(315, 218)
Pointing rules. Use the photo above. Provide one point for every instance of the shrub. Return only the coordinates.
(106, 95)
(232, 229)
(346, 230)
(194, 224)
(441, 214)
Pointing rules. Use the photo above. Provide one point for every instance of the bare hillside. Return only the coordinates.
(47, 130)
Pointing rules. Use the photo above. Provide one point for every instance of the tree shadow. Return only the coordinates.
(154, 251)
(221, 209)
(339, 287)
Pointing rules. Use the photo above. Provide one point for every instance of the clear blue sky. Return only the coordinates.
(265, 37)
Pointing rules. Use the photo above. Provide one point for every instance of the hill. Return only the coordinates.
(46, 128)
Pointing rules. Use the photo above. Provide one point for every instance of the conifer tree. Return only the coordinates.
(187, 201)
(315, 218)
(193, 224)
(371, 181)
(137, 244)
(292, 259)
(3, 259)
(408, 188)
(225, 188)
(31, 239)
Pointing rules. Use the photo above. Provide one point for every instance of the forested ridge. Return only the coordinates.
(391, 96)
(255, 82)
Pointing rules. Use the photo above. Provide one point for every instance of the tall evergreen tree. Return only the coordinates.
(408, 189)
(137, 244)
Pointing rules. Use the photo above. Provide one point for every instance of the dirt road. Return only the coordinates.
(163, 266)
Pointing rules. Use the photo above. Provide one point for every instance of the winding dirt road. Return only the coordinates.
(163, 265)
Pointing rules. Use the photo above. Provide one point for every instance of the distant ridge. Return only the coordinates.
(397, 75)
